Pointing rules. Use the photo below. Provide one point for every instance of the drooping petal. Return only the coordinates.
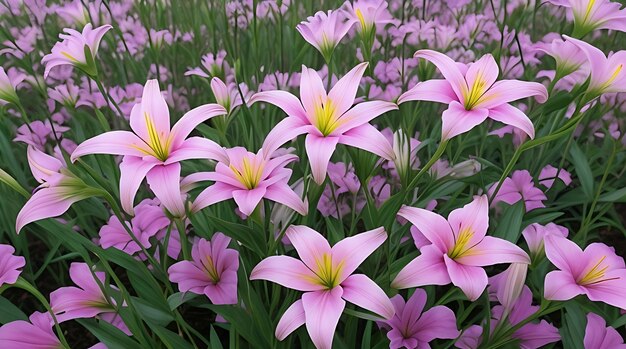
(45, 203)
(471, 280)
(291, 320)
(164, 181)
(288, 272)
(367, 137)
(537, 335)
(248, 200)
(191, 120)
(197, 148)
(610, 291)
(284, 100)
(319, 150)
(114, 143)
(598, 335)
(362, 113)
(322, 310)
(509, 115)
(560, 286)
(362, 291)
(435, 90)
(448, 69)
(132, 172)
(456, 120)
(350, 252)
(286, 130)
(433, 226)
(426, 269)
(595, 57)
(437, 322)
(283, 194)
(492, 251)
(213, 194)
(343, 93)
(311, 245)
(505, 91)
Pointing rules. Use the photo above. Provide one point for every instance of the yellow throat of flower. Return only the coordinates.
(69, 56)
(328, 275)
(595, 274)
(159, 149)
(476, 91)
(250, 173)
(359, 15)
(326, 119)
(210, 269)
(460, 245)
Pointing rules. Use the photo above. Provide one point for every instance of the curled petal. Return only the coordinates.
(290, 321)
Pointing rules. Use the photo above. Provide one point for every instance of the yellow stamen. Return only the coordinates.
(476, 91)
(460, 245)
(161, 151)
(327, 273)
(595, 274)
(250, 173)
(69, 56)
(211, 270)
(359, 15)
(588, 11)
(326, 119)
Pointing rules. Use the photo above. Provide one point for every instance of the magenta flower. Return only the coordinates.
(326, 276)
(549, 174)
(458, 250)
(76, 49)
(410, 328)
(325, 30)
(535, 235)
(86, 300)
(529, 336)
(596, 272)
(153, 150)
(10, 265)
(213, 270)
(35, 333)
(327, 119)
(8, 84)
(248, 178)
(473, 94)
(520, 186)
(59, 189)
(600, 336)
(607, 74)
(590, 15)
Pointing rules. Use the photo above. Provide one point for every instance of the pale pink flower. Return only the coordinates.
(35, 333)
(213, 65)
(10, 265)
(569, 58)
(8, 85)
(76, 49)
(590, 15)
(325, 30)
(327, 119)
(248, 178)
(411, 328)
(600, 336)
(473, 94)
(369, 14)
(596, 272)
(535, 235)
(212, 270)
(326, 276)
(226, 96)
(459, 249)
(153, 150)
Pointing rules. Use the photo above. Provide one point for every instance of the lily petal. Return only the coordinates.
(362, 291)
(343, 93)
(322, 310)
(288, 272)
(434, 227)
(368, 138)
(456, 120)
(191, 120)
(114, 143)
(350, 252)
(426, 269)
(435, 90)
(509, 115)
(471, 280)
(448, 68)
(310, 244)
(164, 181)
(291, 320)
(319, 150)
(132, 172)
(248, 200)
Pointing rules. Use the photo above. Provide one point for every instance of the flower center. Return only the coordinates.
(477, 90)
(325, 119)
(69, 56)
(588, 11)
(328, 275)
(250, 173)
(161, 151)
(210, 269)
(460, 245)
(595, 274)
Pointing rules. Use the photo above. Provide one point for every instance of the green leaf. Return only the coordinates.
(108, 334)
(583, 171)
(170, 339)
(215, 339)
(180, 298)
(10, 312)
(573, 330)
(510, 225)
(614, 196)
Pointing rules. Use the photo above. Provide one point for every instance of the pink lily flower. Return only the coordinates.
(596, 272)
(326, 276)
(590, 15)
(212, 272)
(327, 119)
(520, 186)
(10, 265)
(410, 328)
(458, 250)
(86, 300)
(226, 96)
(324, 31)
(76, 49)
(153, 150)
(549, 174)
(8, 84)
(569, 58)
(473, 94)
(59, 189)
(535, 235)
(529, 336)
(248, 178)
(607, 74)
(35, 333)
(600, 336)
(368, 13)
